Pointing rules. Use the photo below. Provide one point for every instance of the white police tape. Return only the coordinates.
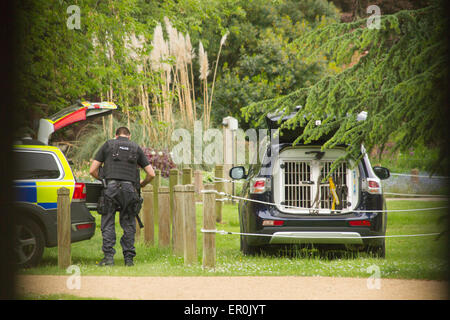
(406, 195)
(209, 191)
(320, 210)
(223, 232)
(418, 176)
(218, 179)
(416, 195)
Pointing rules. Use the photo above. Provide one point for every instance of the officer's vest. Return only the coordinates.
(121, 163)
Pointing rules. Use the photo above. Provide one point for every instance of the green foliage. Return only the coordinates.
(397, 74)
(417, 157)
(283, 53)
(49, 55)
(58, 65)
(94, 135)
(261, 61)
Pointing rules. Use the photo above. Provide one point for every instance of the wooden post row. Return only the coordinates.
(63, 225)
(148, 215)
(164, 217)
(209, 223)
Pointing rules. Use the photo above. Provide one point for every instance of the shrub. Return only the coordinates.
(160, 159)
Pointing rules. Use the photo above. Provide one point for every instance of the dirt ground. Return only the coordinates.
(234, 288)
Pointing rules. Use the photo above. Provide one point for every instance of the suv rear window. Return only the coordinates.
(35, 165)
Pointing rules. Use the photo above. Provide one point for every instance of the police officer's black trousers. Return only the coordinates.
(119, 194)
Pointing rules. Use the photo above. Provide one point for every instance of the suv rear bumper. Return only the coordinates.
(281, 237)
(316, 235)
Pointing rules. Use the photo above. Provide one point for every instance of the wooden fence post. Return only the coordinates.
(414, 176)
(178, 219)
(219, 187)
(190, 224)
(164, 217)
(198, 184)
(156, 182)
(209, 223)
(180, 176)
(148, 215)
(173, 180)
(187, 176)
(137, 235)
(63, 225)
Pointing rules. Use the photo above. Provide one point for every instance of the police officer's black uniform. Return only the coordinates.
(121, 158)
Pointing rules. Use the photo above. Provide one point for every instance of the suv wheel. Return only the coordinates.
(247, 249)
(29, 243)
(378, 251)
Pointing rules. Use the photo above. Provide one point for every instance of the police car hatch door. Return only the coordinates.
(80, 111)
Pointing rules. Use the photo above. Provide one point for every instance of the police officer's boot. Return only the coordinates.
(129, 262)
(107, 261)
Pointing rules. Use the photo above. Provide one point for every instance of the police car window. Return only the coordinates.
(65, 112)
(35, 165)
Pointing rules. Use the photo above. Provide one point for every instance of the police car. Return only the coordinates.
(40, 171)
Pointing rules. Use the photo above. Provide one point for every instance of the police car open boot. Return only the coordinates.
(106, 262)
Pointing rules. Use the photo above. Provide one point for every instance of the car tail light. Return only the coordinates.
(359, 223)
(373, 186)
(259, 185)
(80, 191)
(271, 223)
(82, 226)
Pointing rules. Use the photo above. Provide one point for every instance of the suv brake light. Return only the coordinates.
(259, 185)
(359, 223)
(373, 186)
(271, 223)
(80, 191)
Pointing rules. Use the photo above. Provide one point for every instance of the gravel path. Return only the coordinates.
(233, 288)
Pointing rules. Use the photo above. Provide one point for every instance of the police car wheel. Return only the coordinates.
(29, 243)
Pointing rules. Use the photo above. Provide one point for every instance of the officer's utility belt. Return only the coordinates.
(107, 202)
(114, 181)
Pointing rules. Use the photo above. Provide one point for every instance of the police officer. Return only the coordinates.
(120, 157)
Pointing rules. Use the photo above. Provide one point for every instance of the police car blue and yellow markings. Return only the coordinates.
(41, 193)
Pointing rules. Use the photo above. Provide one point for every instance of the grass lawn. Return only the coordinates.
(407, 258)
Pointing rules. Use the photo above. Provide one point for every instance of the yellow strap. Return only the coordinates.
(333, 193)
